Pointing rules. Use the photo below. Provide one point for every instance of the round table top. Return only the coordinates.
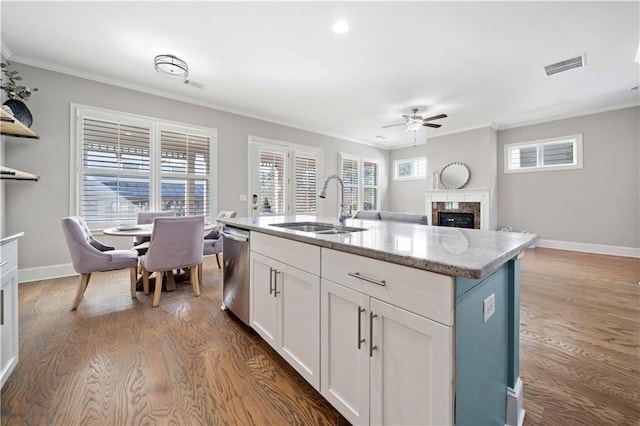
(141, 230)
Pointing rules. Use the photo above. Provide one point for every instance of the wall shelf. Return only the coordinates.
(11, 127)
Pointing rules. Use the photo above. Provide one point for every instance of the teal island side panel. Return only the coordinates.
(483, 348)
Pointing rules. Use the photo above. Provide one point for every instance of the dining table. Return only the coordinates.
(145, 230)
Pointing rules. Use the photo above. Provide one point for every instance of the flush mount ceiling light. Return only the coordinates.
(171, 66)
(414, 125)
(340, 27)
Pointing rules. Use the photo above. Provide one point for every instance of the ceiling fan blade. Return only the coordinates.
(406, 116)
(435, 117)
(435, 126)
(393, 125)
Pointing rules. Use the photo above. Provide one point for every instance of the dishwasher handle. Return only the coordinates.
(235, 237)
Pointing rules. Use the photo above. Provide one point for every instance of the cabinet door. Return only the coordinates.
(263, 307)
(411, 368)
(344, 340)
(298, 295)
(9, 327)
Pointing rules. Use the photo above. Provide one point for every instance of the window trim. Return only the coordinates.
(78, 111)
(406, 160)
(361, 186)
(538, 144)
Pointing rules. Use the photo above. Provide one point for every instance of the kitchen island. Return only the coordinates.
(397, 323)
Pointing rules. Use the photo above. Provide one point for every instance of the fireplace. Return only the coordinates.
(467, 204)
(457, 220)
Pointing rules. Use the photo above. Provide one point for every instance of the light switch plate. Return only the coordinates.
(489, 306)
(243, 197)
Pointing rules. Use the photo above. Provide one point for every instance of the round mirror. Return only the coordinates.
(454, 176)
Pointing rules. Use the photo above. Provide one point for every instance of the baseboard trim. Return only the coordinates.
(590, 248)
(27, 275)
(515, 410)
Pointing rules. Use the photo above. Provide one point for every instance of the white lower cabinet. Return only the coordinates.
(8, 310)
(285, 311)
(382, 364)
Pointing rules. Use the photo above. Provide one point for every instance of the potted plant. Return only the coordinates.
(17, 94)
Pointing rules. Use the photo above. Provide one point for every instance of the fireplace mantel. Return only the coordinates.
(458, 195)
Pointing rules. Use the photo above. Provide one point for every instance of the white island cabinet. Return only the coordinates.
(391, 323)
(285, 301)
(9, 306)
(380, 363)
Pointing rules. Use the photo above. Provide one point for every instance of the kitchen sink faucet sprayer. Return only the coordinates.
(342, 214)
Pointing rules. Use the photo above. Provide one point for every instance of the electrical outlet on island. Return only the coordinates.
(489, 306)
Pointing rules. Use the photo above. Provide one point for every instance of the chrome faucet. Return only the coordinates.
(342, 214)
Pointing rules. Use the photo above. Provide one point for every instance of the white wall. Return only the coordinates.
(475, 148)
(36, 208)
(598, 204)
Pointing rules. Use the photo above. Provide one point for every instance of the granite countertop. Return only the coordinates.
(468, 253)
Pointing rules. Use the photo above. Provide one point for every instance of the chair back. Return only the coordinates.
(176, 242)
(146, 218)
(88, 254)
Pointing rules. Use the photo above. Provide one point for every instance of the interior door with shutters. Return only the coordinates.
(269, 180)
(283, 178)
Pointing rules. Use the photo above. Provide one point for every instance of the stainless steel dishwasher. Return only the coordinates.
(235, 272)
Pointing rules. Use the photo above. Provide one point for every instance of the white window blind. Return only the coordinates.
(361, 179)
(271, 196)
(549, 154)
(306, 183)
(185, 173)
(115, 168)
(125, 163)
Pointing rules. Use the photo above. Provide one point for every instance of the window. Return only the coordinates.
(549, 154)
(125, 163)
(361, 179)
(410, 169)
(283, 177)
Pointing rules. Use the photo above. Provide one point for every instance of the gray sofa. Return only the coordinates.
(391, 216)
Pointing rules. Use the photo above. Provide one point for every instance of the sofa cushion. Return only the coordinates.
(405, 217)
(367, 215)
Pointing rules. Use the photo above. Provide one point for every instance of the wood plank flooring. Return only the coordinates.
(118, 361)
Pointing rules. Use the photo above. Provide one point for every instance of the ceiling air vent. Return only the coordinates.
(566, 65)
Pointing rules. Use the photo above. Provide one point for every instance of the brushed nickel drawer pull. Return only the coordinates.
(371, 280)
(275, 283)
(360, 339)
(271, 279)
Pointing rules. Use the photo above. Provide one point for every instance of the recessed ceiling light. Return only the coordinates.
(340, 27)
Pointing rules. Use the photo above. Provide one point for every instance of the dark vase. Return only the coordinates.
(20, 111)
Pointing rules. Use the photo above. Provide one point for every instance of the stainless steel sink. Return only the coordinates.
(318, 227)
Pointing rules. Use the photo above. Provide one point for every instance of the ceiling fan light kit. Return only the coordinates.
(414, 122)
(171, 66)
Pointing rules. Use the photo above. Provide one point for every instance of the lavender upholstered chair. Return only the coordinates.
(89, 255)
(146, 218)
(213, 240)
(176, 243)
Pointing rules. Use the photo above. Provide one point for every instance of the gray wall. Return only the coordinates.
(475, 148)
(36, 208)
(598, 204)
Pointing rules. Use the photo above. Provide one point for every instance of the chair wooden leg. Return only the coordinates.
(82, 286)
(194, 280)
(158, 290)
(199, 272)
(133, 276)
(145, 280)
(218, 260)
(171, 281)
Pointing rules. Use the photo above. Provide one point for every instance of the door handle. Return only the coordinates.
(271, 279)
(371, 346)
(360, 339)
(362, 277)
(275, 283)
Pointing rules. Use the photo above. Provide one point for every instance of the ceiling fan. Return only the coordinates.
(414, 121)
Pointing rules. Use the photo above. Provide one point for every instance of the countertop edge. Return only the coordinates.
(8, 239)
(424, 264)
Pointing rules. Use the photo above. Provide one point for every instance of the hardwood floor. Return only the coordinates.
(119, 361)
(580, 338)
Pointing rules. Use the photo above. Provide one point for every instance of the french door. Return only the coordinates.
(284, 178)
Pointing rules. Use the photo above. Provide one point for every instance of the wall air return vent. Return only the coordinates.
(566, 65)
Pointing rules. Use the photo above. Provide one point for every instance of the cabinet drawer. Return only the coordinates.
(422, 292)
(299, 255)
(9, 254)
